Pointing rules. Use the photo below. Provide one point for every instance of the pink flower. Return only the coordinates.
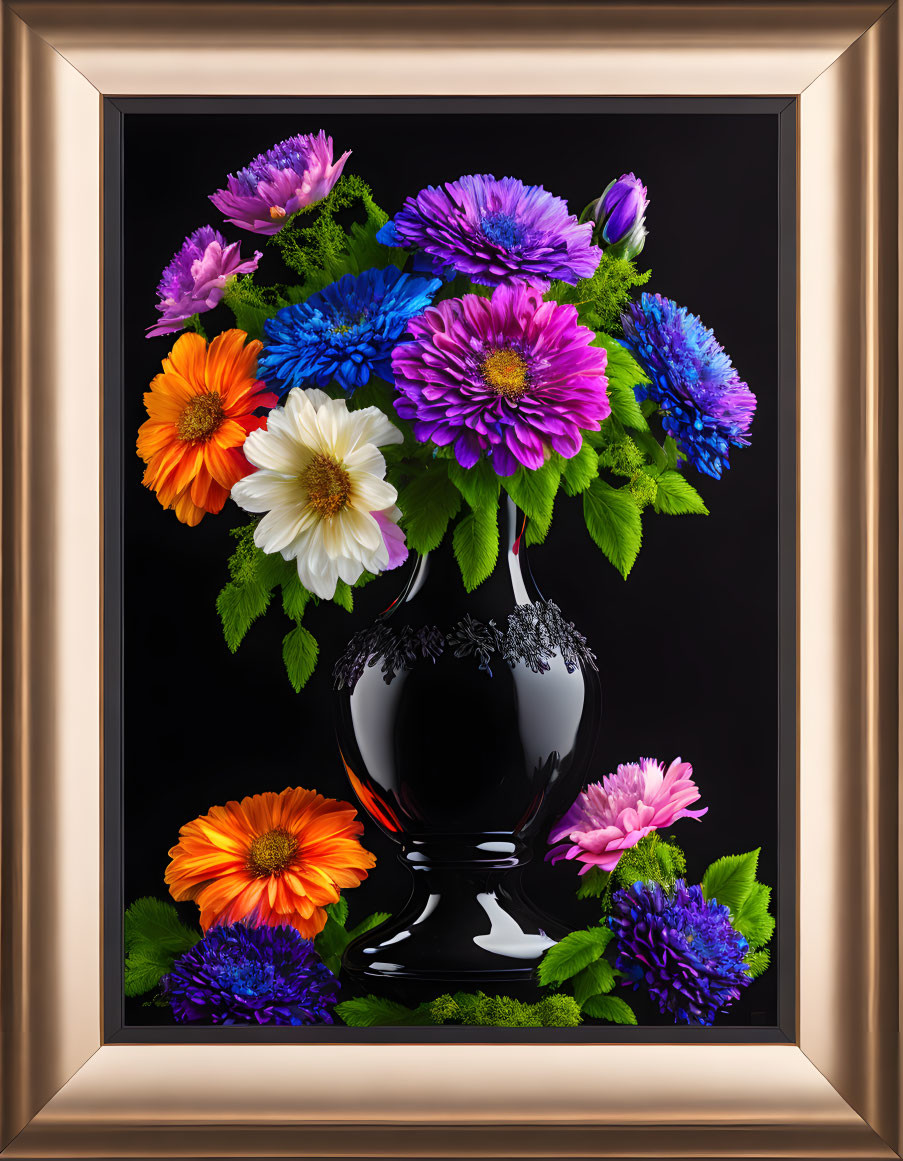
(393, 537)
(613, 815)
(293, 174)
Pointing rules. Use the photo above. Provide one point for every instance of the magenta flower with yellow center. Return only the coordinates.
(611, 816)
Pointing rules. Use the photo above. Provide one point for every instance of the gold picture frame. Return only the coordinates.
(836, 1091)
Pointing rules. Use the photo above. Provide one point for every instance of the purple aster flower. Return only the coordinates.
(685, 949)
(511, 376)
(704, 403)
(619, 216)
(251, 975)
(195, 279)
(293, 174)
(495, 232)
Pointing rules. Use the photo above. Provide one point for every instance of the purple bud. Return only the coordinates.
(619, 217)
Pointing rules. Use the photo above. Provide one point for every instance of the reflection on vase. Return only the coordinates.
(466, 722)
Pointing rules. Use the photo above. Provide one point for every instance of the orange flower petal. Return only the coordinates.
(188, 359)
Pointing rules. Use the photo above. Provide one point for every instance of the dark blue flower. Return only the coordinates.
(251, 975)
(346, 332)
(685, 949)
(704, 403)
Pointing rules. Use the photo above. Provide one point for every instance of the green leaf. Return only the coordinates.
(651, 448)
(670, 453)
(153, 935)
(580, 470)
(534, 491)
(753, 920)
(613, 521)
(294, 597)
(572, 954)
(427, 503)
(299, 652)
(343, 596)
(730, 880)
(476, 545)
(676, 496)
(478, 485)
(757, 961)
(624, 406)
(596, 978)
(372, 1011)
(611, 1008)
(538, 529)
(239, 606)
(338, 912)
(593, 884)
(369, 923)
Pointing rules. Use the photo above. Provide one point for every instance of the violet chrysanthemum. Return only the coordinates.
(704, 403)
(686, 950)
(496, 231)
(276, 184)
(251, 975)
(195, 279)
(511, 377)
(613, 815)
(345, 332)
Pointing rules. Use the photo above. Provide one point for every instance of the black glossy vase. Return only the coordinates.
(466, 723)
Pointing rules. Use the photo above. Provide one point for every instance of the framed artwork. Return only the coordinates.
(150, 709)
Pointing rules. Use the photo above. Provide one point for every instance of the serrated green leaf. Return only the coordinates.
(613, 521)
(538, 529)
(534, 491)
(753, 920)
(299, 652)
(476, 545)
(249, 318)
(676, 496)
(343, 596)
(611, 1008)
(151, 921)
(338, 911)
(624, 406)
(144, 968)
(372, 1011)
(427, 504)
(651, 448)
(757, 961)
(592, 885)
(595, 979)
(730, 880)
(369, 923)
(239, 606)
(572, 954)
(478, 485)
(670, 453)
(580, 470)
(294, 597)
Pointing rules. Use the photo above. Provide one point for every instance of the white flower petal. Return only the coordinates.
(349, 570)
(275, 448)
(264, 489)
(376, 428)
(366, 458)
(281, 526)
(302, 415)
(368, 493)
(362, 529)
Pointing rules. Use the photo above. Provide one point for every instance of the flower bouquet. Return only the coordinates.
(433, 380)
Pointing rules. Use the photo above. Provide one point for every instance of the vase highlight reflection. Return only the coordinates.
(466, 723)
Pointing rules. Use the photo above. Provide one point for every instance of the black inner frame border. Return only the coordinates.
(115, 1030)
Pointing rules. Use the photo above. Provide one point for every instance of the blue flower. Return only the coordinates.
(251, 975)
(345, 332)
(685, 949)
(704, 404)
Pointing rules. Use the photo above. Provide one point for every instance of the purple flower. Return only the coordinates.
(705, 405)
(195, 279)
(293, 174)
(496, 232)
(685, 949)
(251, 975)
(511, 376)
(618, 214)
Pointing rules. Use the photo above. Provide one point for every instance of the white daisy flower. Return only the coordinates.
(321, 482)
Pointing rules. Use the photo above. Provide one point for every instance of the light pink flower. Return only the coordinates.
(613, 815)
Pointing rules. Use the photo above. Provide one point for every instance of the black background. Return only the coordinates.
(687, 648)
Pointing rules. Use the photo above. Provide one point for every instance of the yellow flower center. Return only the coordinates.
(272, 852)
(505, 372)
(328, 485)
(202, 416)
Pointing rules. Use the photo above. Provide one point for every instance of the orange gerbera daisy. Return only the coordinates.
(270, 859)
(200, 412)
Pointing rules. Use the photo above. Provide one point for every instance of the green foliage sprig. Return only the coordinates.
(732, 881)
(330, 944)
(601, 299)
(578, 962)
(474, 1009)
(153, 938)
